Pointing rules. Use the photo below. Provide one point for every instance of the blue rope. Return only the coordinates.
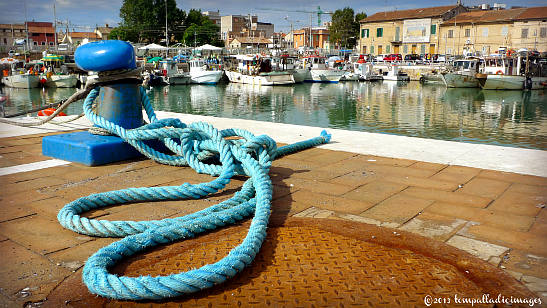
(191, 144)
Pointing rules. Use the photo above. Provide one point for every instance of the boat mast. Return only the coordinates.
(166, 35)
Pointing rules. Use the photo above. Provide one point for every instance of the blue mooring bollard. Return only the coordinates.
(118, 102)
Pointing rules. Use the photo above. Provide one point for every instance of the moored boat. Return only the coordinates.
(202, 72)
(462, 74)
(56, 74)
(394, 74)
(319, 72)
(502, 73)
(257, 70)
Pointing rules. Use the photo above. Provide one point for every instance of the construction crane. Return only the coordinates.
(319, 12)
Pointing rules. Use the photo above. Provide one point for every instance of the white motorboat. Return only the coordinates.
(291, 64)
(17, 77)
(172, 75)
(463, 74)
(202, 72)
(21, 81)
(57, 75)
(502, 73)
(319, 72)
(257, 70)
(61, 81)
(395, 75)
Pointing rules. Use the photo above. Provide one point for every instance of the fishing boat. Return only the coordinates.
(202, 72)
(462, 74)
(172, 75)
(319, 72)
(502, 73)
(291, 64)
(394, 74)
(56, 73)
(366, 72)
(15, 75)
(257, 70)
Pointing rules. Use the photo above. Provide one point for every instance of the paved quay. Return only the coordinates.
(485, 200)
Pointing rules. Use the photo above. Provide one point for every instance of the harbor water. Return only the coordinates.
(508, 118)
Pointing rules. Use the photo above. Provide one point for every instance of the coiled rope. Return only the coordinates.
(191, 144)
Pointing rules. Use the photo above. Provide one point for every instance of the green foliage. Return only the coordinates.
(200, 30)
(144, 21)
(344, 29)
(146, 18)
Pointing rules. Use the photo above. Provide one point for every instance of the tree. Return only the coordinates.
(147, 19)
(344, 29)
(200, 30)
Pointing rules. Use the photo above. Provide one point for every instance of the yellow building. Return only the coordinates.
(413, 31)
(318, 39)
(487, 31)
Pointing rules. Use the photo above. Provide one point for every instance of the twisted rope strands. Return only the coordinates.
(249, 155)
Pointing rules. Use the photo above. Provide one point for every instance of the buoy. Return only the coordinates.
(105, 55)
(49, 111)
(500, 72)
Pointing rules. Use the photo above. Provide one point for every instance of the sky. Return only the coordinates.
(85, 15)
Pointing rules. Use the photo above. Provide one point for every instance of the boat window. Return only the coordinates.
(466, 65)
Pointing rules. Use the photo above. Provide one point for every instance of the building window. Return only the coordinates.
(450, 33)
(467, 32)
(372, 49)
(50, 43)
(485, 32)
(405, 49)
(422, 49)
(5, 41)
(524, 33)
(364, 49)
(388, 48)
(364, 33)
(433, 29)
(35, 43)
(35, 34)
(504, 30)
(542, 32)
(43, 43)
(379, 32)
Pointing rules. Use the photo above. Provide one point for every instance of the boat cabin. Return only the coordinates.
(467, 65)
(315, 63)
(503, 65)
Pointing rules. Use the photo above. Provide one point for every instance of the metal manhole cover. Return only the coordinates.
(306, 264)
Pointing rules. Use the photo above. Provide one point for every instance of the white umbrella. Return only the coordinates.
(208, 47)
(153, 47)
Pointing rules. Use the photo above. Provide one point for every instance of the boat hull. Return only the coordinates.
(61, 81)
(261, 80)
(539, 83)
(301, 74)
(178, 79)
(456, 80)
(501, 82)
(21, 81)
(326, 75)
(396, 78)
(206, 77)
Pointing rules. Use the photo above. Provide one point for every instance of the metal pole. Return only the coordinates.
(55, 25)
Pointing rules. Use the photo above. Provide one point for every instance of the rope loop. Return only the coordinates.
(220, 153)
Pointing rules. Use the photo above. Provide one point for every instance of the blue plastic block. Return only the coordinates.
(88, 149)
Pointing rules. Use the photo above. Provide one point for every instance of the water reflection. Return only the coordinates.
(517, 118)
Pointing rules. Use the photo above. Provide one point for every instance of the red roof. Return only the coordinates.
(485, 16)
(410, 14)
(92, 35)
(539, 12)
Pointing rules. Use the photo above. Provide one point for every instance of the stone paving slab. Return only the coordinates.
(500, 215)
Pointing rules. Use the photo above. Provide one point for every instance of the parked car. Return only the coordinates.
(393, 57)
(380, 58)
(412, 57)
